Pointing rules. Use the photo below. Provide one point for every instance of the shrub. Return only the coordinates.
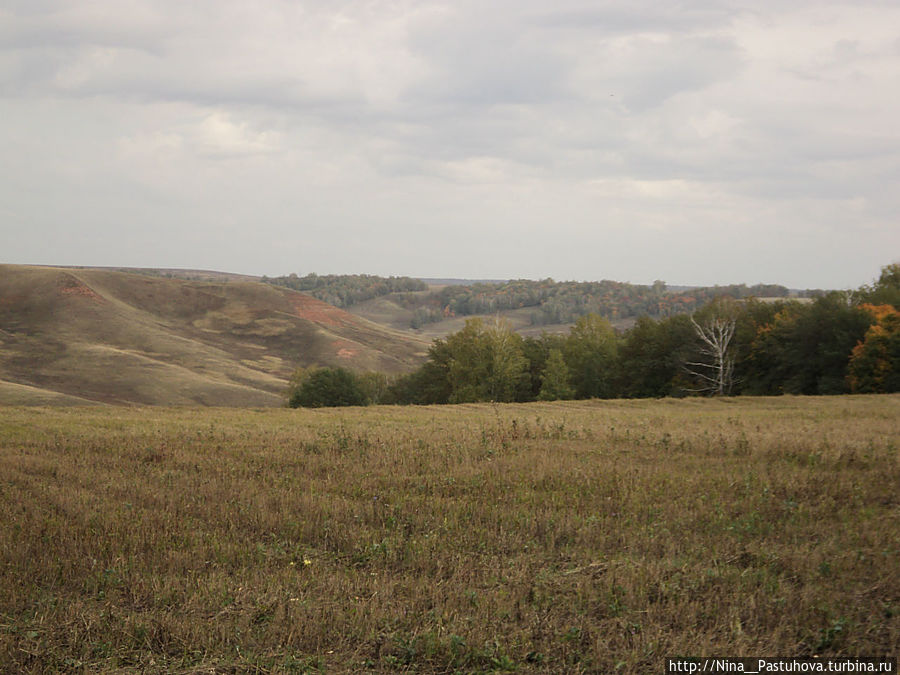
(327, 387)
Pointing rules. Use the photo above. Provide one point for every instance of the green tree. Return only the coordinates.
(537, 351)
(651, 357)
(753, 316)
(590, 354)
(806, 349)
(374, 387)
(468, 362)
(486, 363)
(507, 368)
(327, 387)
(555, 380)
(430, 384)
(885, 291)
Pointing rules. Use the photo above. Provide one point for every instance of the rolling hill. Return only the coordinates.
(532, 307)
(74, 336)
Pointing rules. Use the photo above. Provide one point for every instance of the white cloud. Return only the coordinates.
(218, 135)
(389, 136)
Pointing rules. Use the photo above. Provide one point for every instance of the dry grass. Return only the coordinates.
(568, 538)
(112, 337)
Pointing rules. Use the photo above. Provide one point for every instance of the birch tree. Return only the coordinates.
(714, 368)
(486, 363)
(507, 365)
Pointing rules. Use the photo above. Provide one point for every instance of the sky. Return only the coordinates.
(696, 142)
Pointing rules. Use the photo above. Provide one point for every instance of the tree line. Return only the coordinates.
(345, 290)
(841, 342)
(556, 302)
(550, 302)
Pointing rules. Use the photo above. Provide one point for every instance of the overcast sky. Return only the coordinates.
(697, 142)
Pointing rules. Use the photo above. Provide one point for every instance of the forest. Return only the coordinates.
(841, 342)
(345, 290)
(559, 302)
(551, 302)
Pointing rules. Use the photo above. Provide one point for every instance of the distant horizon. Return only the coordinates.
(455, 279)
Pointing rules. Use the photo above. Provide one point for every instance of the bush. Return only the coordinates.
(327, 387)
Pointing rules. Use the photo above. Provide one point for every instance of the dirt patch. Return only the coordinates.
(70, 285)
(311, 309)
(345, 349)
(13, 301)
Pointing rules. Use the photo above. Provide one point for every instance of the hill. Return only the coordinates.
(552, 303)
(436, 307)
(172, 273)
(92, 335)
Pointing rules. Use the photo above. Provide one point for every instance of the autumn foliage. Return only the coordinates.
(875, 362)
(838, 343)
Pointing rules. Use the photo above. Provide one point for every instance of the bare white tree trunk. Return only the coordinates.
(716, 373)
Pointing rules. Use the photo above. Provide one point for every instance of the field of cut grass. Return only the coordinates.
(579, 537)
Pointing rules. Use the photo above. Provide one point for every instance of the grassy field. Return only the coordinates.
(582, 537)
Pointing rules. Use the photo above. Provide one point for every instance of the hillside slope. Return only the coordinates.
(535, 306)
(74, 336)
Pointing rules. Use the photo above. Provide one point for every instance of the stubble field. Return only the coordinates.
(577, 537)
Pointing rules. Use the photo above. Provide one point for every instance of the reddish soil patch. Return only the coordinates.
(345, 349)
(13, 300)
(70, 285)
(311, 309)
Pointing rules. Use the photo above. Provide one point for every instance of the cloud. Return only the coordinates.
(388, 122)
(643, 71)
(273, 54)
(219, 135)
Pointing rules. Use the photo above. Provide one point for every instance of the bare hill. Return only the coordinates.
(88, 335)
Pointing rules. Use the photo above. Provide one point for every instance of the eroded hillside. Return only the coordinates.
(112, 337)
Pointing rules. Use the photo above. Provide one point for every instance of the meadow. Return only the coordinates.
(566, 537)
